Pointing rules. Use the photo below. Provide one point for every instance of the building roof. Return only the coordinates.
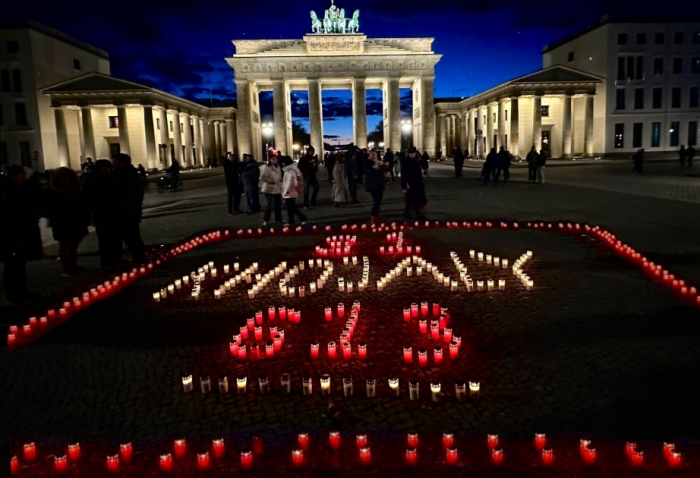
(558, 74)
(94, 82)
(24, 23)
(605, 19)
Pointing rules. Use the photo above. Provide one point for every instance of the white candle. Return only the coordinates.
(501, 284)
(227, 268)
(489, 285)
(312, 287)
(472, 253)
(171, 289)
(213, 272)
(349, 286)
(156, 296)
(236, 266)
(178, 284)
(291, 292)
(409, 271)
(480, 285)
(217, 294)
(504, 263)
(480, 256)
(354, 260)
(488, 258)
(302, 291)
(419, 271)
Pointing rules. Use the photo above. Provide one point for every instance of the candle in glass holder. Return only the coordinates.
(347, 349)
(422, 357)
(241, 384)
(547, 456)
(286, 382)
(460, 390)
(474, 389)
(205, 383)
(74, 451)
(282, 312)
(504, 263)
(165, 462)
(187, 383)
(264, 384)
(331, 350)
(435, 388)
(113, 463)
(269, 349)
(452, 456)
(362, 351)
(371, 387)
(325, 381)
(408, 354)
(246, 459)
(307, 385)
(480, 256)
(314, 350)
(437, 355)
(414, 389)
(435, 329)
(180, 447)
(365, 455)
(341, 310)
(258, 333)
(223, 383)
(361, 440)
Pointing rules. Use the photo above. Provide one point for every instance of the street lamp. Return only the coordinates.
(406, 127)
(381, 145)
(295, 147)
(371, 144)
(267, 129)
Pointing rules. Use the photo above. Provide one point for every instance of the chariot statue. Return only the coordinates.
(334, 21)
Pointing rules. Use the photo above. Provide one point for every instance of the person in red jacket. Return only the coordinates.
(308, 165)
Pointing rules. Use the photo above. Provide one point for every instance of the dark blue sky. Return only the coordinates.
(180, 46)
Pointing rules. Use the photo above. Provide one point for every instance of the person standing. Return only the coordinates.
(490, 167)
(308, 165)
(271, 186)
(541, 162)
(424, 163)
(292, 187)
(412, 184)
(360, 160)
(389, 162)
(68, 217)
(330, 164)
(351, 168)
(251, 178)
(98, 191)
(531, 159)
(127, 203)
(682, 154)
(341, 193)
(458, 158)
(638, 159)
(690, 152)
(374, 182)
(233, 184)
(20, 237)
(88, 167)
(398, 159)
(503, 164)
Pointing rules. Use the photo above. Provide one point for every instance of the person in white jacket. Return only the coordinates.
(292, 188)
(271, 186)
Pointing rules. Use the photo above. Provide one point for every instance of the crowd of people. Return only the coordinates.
(108, 196)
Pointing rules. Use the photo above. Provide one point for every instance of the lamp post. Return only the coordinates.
(295, 147)
(406, 128)
(267, 129)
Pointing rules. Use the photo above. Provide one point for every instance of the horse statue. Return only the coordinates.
(327, 23)
(341, 21)
(316, 25)
(354, 23)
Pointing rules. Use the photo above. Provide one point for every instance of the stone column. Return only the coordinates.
(199, 150)
(222, 138)
(458, 131)
(502, 124)
(230, 140)
(188, 138)
(514, 127)
(489, 129)
(537, 122)
(479, 149)
(394, 114)
(88, 134)
(61, 137)
(217, 141)
(316, 116)
(443, 133)
(206, 142)
(164, 136)
(123, 129)
(468, 132)
(212, 141)
(359, 112)
(588, 126)
(280, 112)
(428, 114)
(448, 133)
(244, 132)
(566, 130)
(177, 136)
(151, 157)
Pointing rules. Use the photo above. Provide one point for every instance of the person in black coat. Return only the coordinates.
(490, 167)
(126, 204)
(68, 217)
(502, 165)
(375, 173)
(690, 152)
(361, 160)
(20, 238)
(458, 158)
(250, 178)
(233, 184)
(424, 162)
(412, 184)
(389, 161)
(682, 155)
(98, 194)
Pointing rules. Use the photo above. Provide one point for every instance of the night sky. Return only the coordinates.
(179, 47)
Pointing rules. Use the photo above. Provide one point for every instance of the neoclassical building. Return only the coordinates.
(552, 109)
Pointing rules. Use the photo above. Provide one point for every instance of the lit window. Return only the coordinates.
(619, 135)
(114, 122)
(545, 110)
(655, 134)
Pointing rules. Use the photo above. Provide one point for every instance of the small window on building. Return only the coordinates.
(656, 98)
(696, 38)
(637, 135)
(678, 38)
(545, 110)
(674, 132)
(639, 99)
(677, 66)
(659, 38)
(495, 117)
(12, 46)
(571, 56)
(658, 66)
(20, 114)
(692, 133)
(5, 80)
(182, 128)
(695, 66)
(16, 80)
(114, 121)
(620, 99)
(4, 157)
(25, 153)
(157, 123)
(694, 97)
(2, 116)
(77, 65)
(621, 68)
(171, 126)
(640, 68)
(505, 117)
(622, 38)
(641, 38)
(619, 135)
(676, 98)
(655, 135)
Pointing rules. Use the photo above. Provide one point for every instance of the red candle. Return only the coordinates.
(271, 312)
(331, 350)
(60, 463)
(422, 357)
(14, 465)
(540, 440)
(180, 447)
(217, 445)
(674, 458)
(447, 335)
(454, 350)
(329, 314)
(29, 451)
(637, 457)
(244, 332)
(258, 333)
(258, 445)
(283, 312)
(423, 326)
(246, 459)
(361, 440)
(269, 349)
(381, 249)
(411, 456)
(125, 451)
(547, 456)
(11, 340)
(424, 308)
(251, 324)
(362, 351)
(417, 249)
(492, 441)
(497, 456)
(442, 321)
(242, 352)
(457, 339)
(165, 462)
(448, 440)
(437, 355)
(203, 460)
(255, 352)
(412, 440)
(74, 451)
(408, 354)
(279, 340)
(452, 456)
(347, 350)
(334, 440)
(258, 317)
(314, 350)
(435, 329)
(436, 309)
(365, 455)
(303, 440)
(341, 310)
(414, 310)
(113, 463)
(297, 457)
(407, 315)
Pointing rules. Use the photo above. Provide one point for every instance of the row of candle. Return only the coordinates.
(518, 271)
(201, 274)
(495, 260)
(399, 249)
(302, 443)
(314, 286)
(338, 246)
(362, 284)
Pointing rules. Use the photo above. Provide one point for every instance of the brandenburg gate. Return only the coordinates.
(334, 57)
